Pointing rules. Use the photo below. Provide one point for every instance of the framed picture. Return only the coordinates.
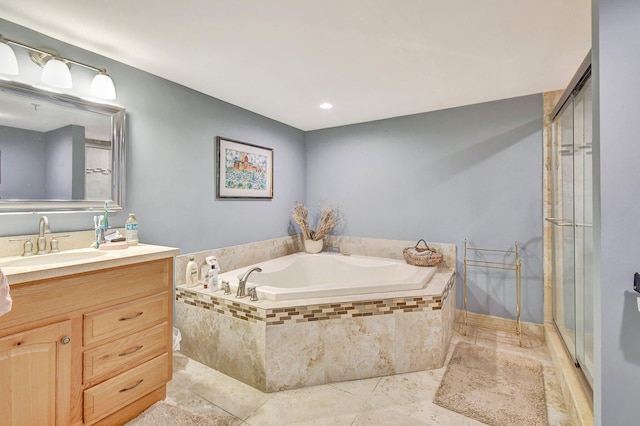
(243, 170)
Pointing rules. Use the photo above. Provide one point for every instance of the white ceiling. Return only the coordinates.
(372, 59)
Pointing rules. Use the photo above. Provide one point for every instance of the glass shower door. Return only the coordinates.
(572, 231)
(583, 206)
(564, 299)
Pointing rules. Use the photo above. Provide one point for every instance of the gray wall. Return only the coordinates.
(23, 167)
(473, 172)
(170, 159)
(617, 214)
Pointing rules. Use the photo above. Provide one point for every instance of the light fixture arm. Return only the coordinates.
(45, 53)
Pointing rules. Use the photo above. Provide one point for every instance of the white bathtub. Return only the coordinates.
(304, 276)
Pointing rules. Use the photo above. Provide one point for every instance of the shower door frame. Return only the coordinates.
(577, 224)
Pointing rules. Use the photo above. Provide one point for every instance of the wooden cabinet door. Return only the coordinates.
(35, 376)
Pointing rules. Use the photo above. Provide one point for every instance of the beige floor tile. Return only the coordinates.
(192, 402)
(384, 417)
(431, 414)
(553, 393)
(362, 388)
(322, 405)
(539, 353)
(186, 371)
(558, 416)
(229, 394)
(502, 336)
(402, 389)
(390, 400)
(459, 332)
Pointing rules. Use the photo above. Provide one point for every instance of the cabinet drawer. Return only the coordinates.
(114, 357)
(59, 296)
(115, 393)
(125, 319)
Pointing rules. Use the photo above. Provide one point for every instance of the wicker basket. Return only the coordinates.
(422, 256)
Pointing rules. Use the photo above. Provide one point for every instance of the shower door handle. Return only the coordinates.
(559, 221)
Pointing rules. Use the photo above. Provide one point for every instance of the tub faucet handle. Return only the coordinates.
(253, 295)
(227, 288)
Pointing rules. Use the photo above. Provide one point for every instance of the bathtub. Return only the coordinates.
(305, 276)
(321, 318)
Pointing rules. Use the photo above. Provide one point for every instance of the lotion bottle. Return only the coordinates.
(212, 277)
(191, 277)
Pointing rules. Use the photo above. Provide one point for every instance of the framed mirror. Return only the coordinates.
(59, 152)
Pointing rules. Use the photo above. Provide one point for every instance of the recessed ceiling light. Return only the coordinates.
(326, 105)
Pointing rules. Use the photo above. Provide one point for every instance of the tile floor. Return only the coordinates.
(403, 399)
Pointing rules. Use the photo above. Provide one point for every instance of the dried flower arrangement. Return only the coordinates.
(328, 220)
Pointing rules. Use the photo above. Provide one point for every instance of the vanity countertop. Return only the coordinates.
(106, 259)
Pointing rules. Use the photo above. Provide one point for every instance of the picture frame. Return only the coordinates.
(243, 170)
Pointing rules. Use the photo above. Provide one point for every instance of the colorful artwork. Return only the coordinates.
(244, 170)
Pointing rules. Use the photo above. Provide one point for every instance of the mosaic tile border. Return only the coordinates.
(316, 312)
(449, 286)
(220, 305)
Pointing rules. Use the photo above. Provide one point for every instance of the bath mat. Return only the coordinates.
(495, 388)
(162, 413)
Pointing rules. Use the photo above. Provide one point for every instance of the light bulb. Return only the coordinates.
(56, 73)
(102, 86)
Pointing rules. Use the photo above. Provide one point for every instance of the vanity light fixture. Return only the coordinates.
(326, 105)
(56, 71)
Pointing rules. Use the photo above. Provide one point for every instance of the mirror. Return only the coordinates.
(59, 152)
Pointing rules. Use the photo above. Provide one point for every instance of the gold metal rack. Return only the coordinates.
(515, 266)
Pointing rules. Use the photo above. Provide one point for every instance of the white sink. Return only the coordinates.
(53, 258)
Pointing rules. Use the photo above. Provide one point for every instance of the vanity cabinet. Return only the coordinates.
(87, 348)
(35, 386)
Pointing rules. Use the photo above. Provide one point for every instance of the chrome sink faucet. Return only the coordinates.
(43, 228)
(243, 282)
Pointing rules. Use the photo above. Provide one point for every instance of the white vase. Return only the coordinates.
(311, 246)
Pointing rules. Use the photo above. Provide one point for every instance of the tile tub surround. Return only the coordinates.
(273, 345)
(234, 257)
(391, 249)
(239, 256)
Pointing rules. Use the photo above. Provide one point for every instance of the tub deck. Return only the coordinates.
(304, 276)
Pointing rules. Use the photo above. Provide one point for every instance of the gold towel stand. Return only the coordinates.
(515, 266)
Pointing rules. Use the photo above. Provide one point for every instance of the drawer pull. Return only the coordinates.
(136, 315)
(132, 351)
(132, 386)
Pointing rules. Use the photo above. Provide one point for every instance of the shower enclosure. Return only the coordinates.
(572, 231)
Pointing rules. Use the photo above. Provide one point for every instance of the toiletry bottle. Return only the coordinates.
(191, 276)
(131, 230)
(212, 277)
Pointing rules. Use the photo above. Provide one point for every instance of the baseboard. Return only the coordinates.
(576, 399)
(488, 321)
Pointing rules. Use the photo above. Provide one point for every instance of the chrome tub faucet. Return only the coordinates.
(243, 282)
